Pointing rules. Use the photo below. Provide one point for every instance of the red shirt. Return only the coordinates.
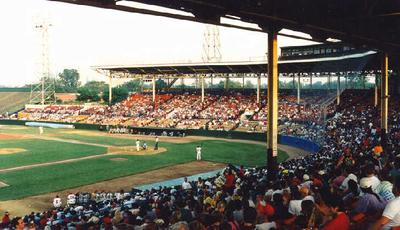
(107, 220)
(266, 210)
(230, 179)
(241, 172)
(341, 222)
(6, 219)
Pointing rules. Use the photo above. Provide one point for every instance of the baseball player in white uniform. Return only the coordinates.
(198, 153)
(137, 145)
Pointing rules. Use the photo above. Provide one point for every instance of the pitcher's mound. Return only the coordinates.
(131, 150)
(11, 150)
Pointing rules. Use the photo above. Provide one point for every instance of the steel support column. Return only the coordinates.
(338, 90)
(294, 82)
(202, 88)
(310, 81)
(298, 89)
(109, 89)
(272, 133)
(363, 80)
(258, 89)
(329, 81)
(154, 89)
(384, 99)
(141, 84)
(376, 91)
(226, 84)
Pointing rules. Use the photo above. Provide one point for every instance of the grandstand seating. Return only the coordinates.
(229, 111)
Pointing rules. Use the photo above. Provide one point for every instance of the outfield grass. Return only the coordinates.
(59, 177)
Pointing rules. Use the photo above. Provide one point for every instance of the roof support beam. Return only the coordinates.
(110, 88)
(272, 130)
(384, 99)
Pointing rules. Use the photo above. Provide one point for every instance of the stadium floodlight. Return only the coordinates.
(43, 92)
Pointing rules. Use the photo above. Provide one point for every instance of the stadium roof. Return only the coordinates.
(366, 61)
(374, 23)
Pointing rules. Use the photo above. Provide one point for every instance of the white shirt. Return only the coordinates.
(186, 185)
(71, 199)
(198, 150)
(57, 202)
(308, 184)
(118, 195)
(392, 212)
(375, 182)
(373, 131)
(266, 226)
(208, 184)
(345, 183)
(295, 205)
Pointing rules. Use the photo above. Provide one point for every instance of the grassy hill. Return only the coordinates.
(13, 101)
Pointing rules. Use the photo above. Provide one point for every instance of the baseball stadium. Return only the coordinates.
(306, 137)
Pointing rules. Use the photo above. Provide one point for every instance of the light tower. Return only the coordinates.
(211, 47)
(44, 91)
(211, 44)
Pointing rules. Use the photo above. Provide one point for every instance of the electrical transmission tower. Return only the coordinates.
(211, 44)
(44, 91)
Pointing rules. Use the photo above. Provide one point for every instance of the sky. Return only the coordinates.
(80, 37)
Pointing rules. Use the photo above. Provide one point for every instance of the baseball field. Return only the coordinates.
(60, 159)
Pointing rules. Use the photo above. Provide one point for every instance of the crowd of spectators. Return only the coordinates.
(352, 182)
(60, 113)
(225, 114)
(183, 111)
(290, 110)
(229, 111)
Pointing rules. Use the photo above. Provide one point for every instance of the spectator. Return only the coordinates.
(186, 185)
(57, 202)
(391, 215)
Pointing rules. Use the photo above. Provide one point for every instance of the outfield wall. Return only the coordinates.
(282, 139)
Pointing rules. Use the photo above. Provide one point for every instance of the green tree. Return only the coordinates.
(88, 94)
(119, 93)
(249, 85)
(100, 86)
(160, 84)
(68, 81)
(234, 84)
(133, 85)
